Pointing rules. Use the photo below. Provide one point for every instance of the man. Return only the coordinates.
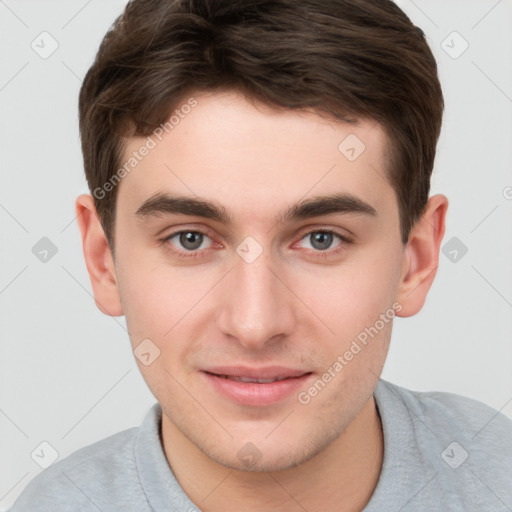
(260, 213)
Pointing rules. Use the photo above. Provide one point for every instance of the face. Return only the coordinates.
(295, 260)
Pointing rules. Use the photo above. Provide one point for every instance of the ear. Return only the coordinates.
(98, 257)
(421, 256)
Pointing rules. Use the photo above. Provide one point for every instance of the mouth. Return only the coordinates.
(255, 386)
(248, 379)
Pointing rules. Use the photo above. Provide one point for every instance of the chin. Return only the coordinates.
(269, 456)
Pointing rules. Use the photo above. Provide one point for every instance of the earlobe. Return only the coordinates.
(421, 256)
(98, 257)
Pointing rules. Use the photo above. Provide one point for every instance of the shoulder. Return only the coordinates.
(457, 414)
(442, 451)
(452, 431)
(88, 479)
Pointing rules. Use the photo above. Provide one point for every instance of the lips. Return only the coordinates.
(255, 386)
(248, 379)
(267, 373)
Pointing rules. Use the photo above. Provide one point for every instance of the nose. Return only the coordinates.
(256, 307)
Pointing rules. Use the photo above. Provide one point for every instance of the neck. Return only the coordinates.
(341, 478)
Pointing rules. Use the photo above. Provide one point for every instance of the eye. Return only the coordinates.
(322, 240)
(192, 243)
(189, 240)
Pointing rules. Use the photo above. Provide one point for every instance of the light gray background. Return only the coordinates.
(67, 374)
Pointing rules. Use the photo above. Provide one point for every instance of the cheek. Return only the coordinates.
(154, 296)
(156, 305)
(338, 301)
(349, 297)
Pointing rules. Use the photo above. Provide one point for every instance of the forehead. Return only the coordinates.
(254, 159)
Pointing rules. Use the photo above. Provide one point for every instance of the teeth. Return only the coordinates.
(247, 379)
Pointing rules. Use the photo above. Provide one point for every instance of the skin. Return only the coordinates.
(295, 305)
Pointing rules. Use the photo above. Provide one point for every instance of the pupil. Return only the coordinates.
(191, 240)
(321, 240)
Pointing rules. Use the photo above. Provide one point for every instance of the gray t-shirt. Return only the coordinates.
(442, 452)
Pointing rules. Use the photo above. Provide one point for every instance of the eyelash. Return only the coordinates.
(198, 253)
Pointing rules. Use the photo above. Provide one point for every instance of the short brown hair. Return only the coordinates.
(348, 59)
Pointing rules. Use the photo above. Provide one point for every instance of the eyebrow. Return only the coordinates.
(161, 203)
